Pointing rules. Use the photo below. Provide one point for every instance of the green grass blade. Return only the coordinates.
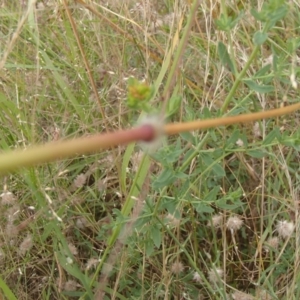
(7, 291)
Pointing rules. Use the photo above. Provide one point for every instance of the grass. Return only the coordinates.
(210, 214)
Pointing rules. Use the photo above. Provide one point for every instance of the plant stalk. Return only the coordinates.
(14, 160)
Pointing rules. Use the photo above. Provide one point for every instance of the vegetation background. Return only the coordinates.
(206, 215)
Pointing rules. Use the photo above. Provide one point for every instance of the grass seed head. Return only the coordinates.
(81, 222)
(234, 223)
(285, 229)
(8, 198)
(91, 263)
(26, 245)
(217, 221)
(272, 243)
(237, 295)
(11, 230)
(12, 213)
(177, 267)
(214, 275)
(172, 220)
(256, 130)
(70, 285)
(79, 181)
(73, 249)
(197, 277)
(107, 268)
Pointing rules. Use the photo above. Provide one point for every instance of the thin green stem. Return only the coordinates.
(126, 209)
(181, 47)
(239, 79)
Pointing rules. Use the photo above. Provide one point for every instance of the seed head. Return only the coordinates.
(214, 275)
(12, 213)
(217, 221)
(79, 181)
(272, 243)
(256, 130)
(177, 267)
(237, 295)
(81, 222)
(26, 245)
(234, 223)
(8, 198)
(73, 249)
(197, 277)
(11, 230)
(173, 221)
(71, 285)
(285, 228)
(91, 263)
(107, 268)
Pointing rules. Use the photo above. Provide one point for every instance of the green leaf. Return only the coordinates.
(218, 170)
(225, 57)
(214, 137)
(181, 175)
(257, 15)
(47, 230)
(212, 195)
(207, 159)
(262, 72)
(206, 113)
(212, 163)
(275, 133)
(173, 156)
(169, 203)
(223, 23)
(74, 270)
(6, 290)
(277, 15)
(187, 136)
(149, 247)
(173, 105)
(228, 203)
(201, 207)
(270, 13)
(226, 23)
(256, 153)
(156, 236)
(166, 178)
(292, 142)
(259, 38)
(259, 88)
(233, 138)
